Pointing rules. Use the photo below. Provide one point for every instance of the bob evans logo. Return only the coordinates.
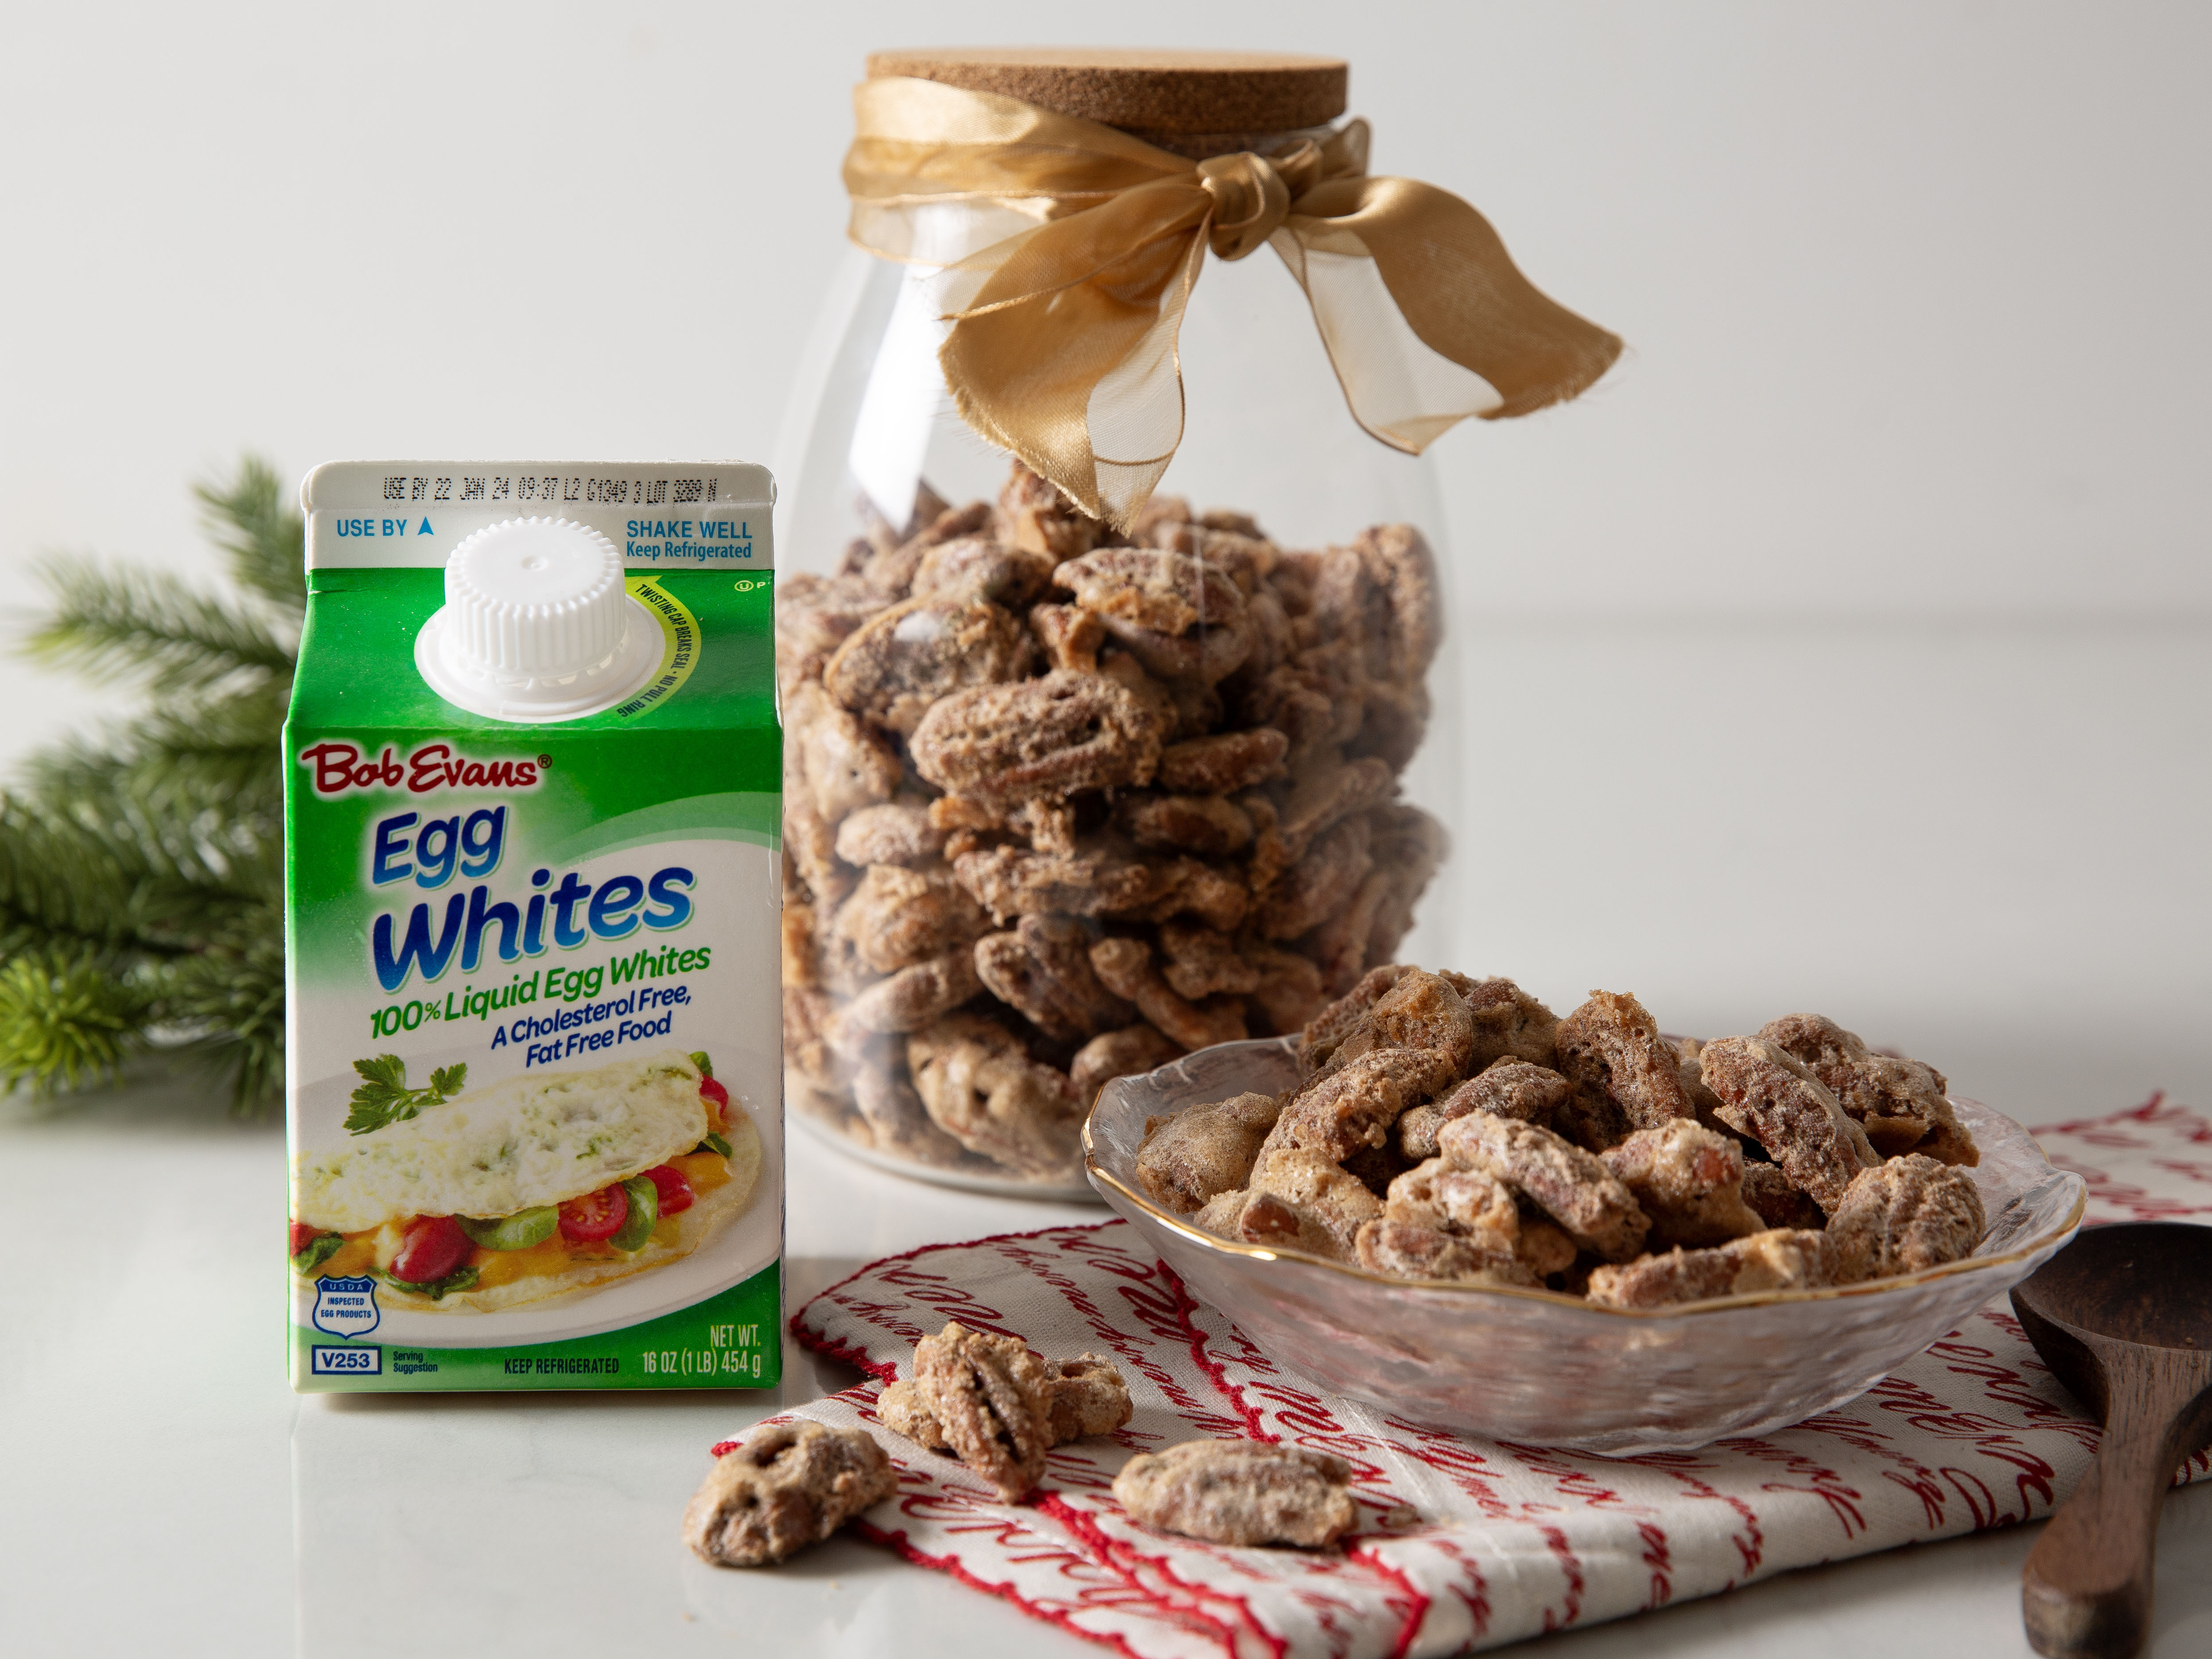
(340, 767)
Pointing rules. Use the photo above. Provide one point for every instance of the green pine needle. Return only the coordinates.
(251, 520)
(112, 622)
(140, 872)
(66, 1023)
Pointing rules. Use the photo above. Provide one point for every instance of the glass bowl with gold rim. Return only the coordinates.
(1538, 1367)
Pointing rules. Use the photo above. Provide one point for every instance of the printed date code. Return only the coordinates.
(346, 1362)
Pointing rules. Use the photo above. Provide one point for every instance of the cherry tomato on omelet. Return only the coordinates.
(596, 1216)
(434, 1246)
(718, 1102)
(674, 1189)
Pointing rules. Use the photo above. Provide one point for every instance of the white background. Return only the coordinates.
(1914, 290)
(1849, 648)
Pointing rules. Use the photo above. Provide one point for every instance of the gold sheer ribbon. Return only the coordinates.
(1068, 252)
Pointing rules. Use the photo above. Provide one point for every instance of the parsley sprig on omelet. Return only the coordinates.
(384, 1098)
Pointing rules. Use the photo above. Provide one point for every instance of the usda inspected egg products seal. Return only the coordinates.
(532, 812)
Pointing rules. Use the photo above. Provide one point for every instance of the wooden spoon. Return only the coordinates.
(2123, 1316)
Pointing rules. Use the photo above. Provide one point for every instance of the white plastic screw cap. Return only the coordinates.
(537, 624)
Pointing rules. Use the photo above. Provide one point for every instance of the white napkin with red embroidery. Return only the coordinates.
(1464, 1541)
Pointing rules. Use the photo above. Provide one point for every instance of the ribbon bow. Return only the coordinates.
(1068, 252)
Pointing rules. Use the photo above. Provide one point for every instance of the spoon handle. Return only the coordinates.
(2086, 1591)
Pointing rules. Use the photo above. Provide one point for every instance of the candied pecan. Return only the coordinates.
(897, 917)
(1276, 1224)
(1085, 1397)
(1159, 514)
(1900, 1103)
(839, 968)
(1339, 1111)
(898, 1121)
(1771, 1195)
(1407, 1250)
(977, 567)
(1053, 736)
(1318, 884)
(1202, 961)
(1197, 709)
(1050, 824)
(807, 837)
(1439, 1194)
(904, 1409)
(1611, 1047)
(1394, 718)
(898, 663)
(1129, 1052)
(1223, 764)
(1777, 1260)
(1204, 825)
(1042, 969)
(987, 1395)
(1309, 719)
(844, 763)
(1380, 596)
(1317, 1188)
(1098, 880)
(1703, 1101)
(982, 1088)
(1244, 554)
(1544, 1247)
(1506, 1088)
(1509, 1023)
(1223, 517)
(1905, 1216)
(1326, 793)
(1688, 1180)
(917, 996)
(1196, 1155)
(832, 1108)
(804, 1051)
(1398, 562)
(1038, 519)
(797, 929)
(1176, 615)
(1420, 1010)
(1274, 636)
(789, 1486)
(1215, 897)
(1409, 847)
(1333, 1024)
(896, 569)
(1125, 967)
(1289, 992)
(856, 1045)
(1770, 1096)
(813, 616)
(897, 832)
(1560, 1178)
(1240, 1492)
(1338, 946)
(1070, 634)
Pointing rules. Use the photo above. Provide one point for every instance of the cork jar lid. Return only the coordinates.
(1145, 91)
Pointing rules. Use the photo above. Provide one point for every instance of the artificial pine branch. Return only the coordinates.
(141, 879)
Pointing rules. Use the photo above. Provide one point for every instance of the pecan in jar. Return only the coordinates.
(1063, 804)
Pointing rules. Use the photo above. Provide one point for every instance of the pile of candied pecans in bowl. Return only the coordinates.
(1061, 806)
(1454, 1129)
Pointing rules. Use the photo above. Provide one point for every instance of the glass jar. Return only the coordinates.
(983, 925)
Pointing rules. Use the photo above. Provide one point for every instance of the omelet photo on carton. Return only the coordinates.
(532, 833)
(529, 1187)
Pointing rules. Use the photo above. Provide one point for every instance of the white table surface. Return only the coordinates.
(2033, 806)
(163, 1493)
